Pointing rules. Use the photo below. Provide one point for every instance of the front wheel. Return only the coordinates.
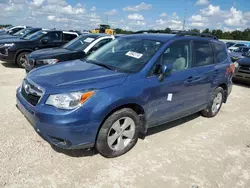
(119, 133)
(215, 104)
(22, 59)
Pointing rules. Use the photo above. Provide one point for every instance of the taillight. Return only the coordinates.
(230, 69)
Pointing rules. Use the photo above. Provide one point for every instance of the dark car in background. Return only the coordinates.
(78, 48)
(229, 44)
(239, 53)
(16, 50)
(243, 69)
(20, 34)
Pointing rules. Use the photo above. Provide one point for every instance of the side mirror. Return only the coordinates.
(44, 41)
(164, 71)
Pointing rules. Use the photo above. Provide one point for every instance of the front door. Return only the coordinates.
(174, 97)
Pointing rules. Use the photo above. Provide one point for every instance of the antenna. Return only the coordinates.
(184, 19)
(107, 19)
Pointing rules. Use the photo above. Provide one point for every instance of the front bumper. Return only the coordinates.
(242, 76)
(67, 130)
(7, 55)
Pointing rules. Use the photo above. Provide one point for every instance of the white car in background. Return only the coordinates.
(236, 46)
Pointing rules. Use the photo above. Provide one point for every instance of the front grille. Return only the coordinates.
(31, 93)
(244, 69)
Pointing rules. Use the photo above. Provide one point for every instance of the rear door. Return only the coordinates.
(203, 64)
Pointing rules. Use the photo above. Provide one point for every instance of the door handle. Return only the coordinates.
(189, 79)
(216, 72)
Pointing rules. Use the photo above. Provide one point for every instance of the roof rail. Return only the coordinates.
(190, 33)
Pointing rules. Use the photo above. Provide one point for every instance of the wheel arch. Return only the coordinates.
(21, 51)
(225, 88)
(134, 106)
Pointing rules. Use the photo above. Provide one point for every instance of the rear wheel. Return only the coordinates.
(215, 104)
(22, 59)
(119, 133)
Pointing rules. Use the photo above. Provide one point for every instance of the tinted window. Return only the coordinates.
(203, 54)
(229, 44)
(178, 54)
(219, 52)
(69, 37)
(36, 35)
(101, 43)
(127, 54)
(16, 30)
(238, 45)
(53, 36)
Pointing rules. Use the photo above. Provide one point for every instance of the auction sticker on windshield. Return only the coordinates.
(89, 40)
(134, 54)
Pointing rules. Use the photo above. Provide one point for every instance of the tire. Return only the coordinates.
(107, 144)
(210, 110)
(22, 59)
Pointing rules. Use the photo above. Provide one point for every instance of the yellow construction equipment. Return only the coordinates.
(104, 29)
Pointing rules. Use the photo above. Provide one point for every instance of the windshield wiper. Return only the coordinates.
(100, 64)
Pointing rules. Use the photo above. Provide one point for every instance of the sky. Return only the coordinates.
(135, 15)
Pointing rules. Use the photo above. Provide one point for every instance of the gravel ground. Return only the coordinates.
(192, 152)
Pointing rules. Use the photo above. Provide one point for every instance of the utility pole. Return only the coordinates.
(184, 20)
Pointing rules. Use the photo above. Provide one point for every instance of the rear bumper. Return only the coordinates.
(64, 130)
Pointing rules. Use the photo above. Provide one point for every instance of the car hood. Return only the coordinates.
(11, 40)
(244, 61)
(75, 75)
(236, 55)
(49, 53)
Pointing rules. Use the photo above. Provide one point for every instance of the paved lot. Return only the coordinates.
(194, 151)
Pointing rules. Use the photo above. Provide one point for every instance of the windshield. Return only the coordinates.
(35, 35)
(125, 54)
(21, 32)
(80, 43)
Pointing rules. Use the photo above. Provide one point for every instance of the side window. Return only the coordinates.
(16, 30)
(53, 36)
(177, 54)
(203, 54)
(219, 52)
(69, 37)
(100, 44)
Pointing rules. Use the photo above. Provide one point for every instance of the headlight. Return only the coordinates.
(48, 61)
(9, 44)
(69, 101)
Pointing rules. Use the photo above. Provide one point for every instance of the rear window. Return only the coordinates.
(220, 52)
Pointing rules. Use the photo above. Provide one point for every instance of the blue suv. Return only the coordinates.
(129, 85)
